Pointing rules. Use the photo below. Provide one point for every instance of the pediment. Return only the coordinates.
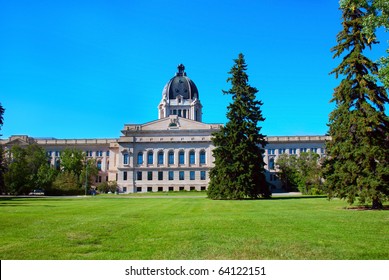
(172, 123)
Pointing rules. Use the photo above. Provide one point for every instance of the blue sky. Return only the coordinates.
(83, 69)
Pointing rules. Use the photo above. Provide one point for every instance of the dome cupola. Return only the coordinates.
(180, 97)
(180, 85)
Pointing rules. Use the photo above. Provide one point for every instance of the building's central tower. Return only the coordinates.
(180, 97)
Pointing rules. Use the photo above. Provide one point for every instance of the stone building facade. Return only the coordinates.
(171, 153)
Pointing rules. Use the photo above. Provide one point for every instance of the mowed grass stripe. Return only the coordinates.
(189, 228)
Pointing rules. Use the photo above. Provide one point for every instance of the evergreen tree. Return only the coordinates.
(239, 146)
(357, 164)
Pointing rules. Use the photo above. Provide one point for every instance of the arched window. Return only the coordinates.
(140, 158)
(150, 157)
(171, 157)
(99, 165)
(160, 157)
(271, 163)
(202, 157)
(192, 159)
(181, 157)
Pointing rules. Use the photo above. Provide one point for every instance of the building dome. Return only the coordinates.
(180, 85)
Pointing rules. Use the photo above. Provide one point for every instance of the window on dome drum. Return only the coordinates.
(202, 175)
(202, 157)
(125, 176)
(192, 157)
(150, 175)
(281, 151)
(99, 153)
(150, 157)
(303, 150)
(160, 157)
(99, 165)
(181, 175)
(171, 175)
(292, 151)
(191, 175)
(160, 175)
(140, 158)
(125, 158)
(171, 157)
(181, 157)
(139, 175)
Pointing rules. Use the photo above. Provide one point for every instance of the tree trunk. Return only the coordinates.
(377, 204)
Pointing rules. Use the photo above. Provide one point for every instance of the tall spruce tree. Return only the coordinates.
(357, 163)
(239, 146)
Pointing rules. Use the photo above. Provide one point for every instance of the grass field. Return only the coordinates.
(119, 227)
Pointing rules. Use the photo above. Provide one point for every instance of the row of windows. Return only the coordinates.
(171, 158)
(87, 153)
(170, 175)
(161, 189)
(292, 151)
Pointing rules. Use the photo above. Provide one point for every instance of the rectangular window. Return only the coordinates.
(203, 188)
(182, 188)
(192, 175)
(149, 189)
(160, 175)
(107, 153)
(202, 157)
(160, 189)
(124, 189)
(202, 175)
(171, 175)
(138, 189)
(182, 175)
(139, 175)
(192, 157)
(125, 176)
(125, 159)
(171, 189)
(150, 175)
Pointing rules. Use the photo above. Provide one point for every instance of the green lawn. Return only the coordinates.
(119, 227)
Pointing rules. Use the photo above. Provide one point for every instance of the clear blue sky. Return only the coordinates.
(82, 69)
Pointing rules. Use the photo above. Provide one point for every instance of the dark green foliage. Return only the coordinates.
(357, 165)
(106, 187)
(2, 110)
(2, 170)
(22, 168)
(67, 183)
(239, 146)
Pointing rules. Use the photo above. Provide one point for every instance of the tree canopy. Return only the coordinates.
(239, 146)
